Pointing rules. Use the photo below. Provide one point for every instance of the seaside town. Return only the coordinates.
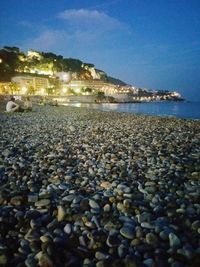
(100, 133)
(87, 188)
(54, 77)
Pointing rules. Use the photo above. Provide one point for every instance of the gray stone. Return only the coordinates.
(127, 231)
(93, 204)
(174, 241)
(42, 203)
(152, 239)
(68, 229)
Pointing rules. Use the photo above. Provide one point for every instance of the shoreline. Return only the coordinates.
(152, 108)
(102, 107)
(91, 188)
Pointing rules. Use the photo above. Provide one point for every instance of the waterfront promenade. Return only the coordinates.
(81, 187)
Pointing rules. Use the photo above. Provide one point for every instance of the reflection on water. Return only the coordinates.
(78, 105)
(177, 109)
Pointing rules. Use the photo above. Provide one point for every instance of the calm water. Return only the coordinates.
(186, 110)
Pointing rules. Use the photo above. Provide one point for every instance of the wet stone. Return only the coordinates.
(107, 208)
(93, 204)
(147, 225)
(16, 201)
(128, 231)
(174, 241)
(61, 213)
(152, 239)
(42, 203)
(32, 198)
(113, 240)
(68, 198)
(68, 229)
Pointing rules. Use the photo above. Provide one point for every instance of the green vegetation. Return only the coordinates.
(13, 61)
(8, 62)
(86, 90)
(101, 98)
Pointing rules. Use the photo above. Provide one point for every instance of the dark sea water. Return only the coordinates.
(183, 109)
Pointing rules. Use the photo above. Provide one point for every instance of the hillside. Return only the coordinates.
(14, 61)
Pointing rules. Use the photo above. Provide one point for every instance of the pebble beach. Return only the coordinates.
(81, 187)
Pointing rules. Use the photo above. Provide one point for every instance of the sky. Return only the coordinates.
(153, 44)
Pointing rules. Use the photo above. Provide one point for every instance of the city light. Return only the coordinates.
(42, 91)
(24, 90)
(45, 79)
(77, 90)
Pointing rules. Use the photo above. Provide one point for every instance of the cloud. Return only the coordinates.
(77, 32)
(62, 41)
(26, 24)
(46, 40)
(92, 18)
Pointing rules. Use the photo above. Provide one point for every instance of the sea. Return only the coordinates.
(178, 109)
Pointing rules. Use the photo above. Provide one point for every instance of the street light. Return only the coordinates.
(24, 89)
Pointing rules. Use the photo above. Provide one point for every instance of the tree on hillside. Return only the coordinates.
(9, 62)
(55, 86)
(31, 90)
(12, 49)
(71, 91)
(88, 90)
(88, 65)
(100, 96)
(14, 88)
(74, 65)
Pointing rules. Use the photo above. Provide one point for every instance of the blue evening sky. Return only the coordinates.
(153, 44)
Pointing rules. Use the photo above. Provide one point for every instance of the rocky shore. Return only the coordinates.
(80, 187)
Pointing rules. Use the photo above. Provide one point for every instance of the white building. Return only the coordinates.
(25, 82)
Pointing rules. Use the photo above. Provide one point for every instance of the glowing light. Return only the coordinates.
(77, 90)
(42, 91)
(74, 84)
(45, 72)
(176, 94)
(24, 90)
(32, 54)
(21, 58)
(1, 60)
(64, 76)
(72, 104)
(64, 90)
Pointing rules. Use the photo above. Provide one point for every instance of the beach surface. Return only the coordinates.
(81, 187)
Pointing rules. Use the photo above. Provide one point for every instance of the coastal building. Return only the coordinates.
(5, 88)
(95, 85)
(31, 84)
(63, 84)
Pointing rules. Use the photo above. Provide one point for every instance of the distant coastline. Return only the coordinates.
(49, 75)
(177, 109)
